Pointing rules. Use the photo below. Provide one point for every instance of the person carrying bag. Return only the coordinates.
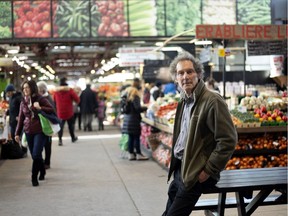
(29, 122)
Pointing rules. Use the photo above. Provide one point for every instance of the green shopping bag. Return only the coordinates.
(123, 143)
(46, 125)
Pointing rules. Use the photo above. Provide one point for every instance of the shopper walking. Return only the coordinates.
(29, 122)
(43, 91)
(64, 97)
(76, 109)
(101, 112)
(131, 123)
(204, 137)
(15, 99)
(88, 106)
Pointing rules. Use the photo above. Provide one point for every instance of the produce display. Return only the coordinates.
(180, 17)
(162, 155)
(5, 20)
(253, 12)
(219, 11)
(145, 133)
(261, 161)
(262, 111)
(255, 148)
(163, 110)
(260, 142)
(72, 18)
(270, 103)
(142, 17)
(32, 19)
(113, 22)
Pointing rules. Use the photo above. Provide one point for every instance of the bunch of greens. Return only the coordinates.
(254, 12)
(182, 15)
(5, 19)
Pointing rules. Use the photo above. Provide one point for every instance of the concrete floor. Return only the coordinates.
(89, 178)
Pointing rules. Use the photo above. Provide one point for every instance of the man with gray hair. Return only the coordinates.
(204, 137)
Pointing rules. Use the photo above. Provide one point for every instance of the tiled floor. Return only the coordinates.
(89, 178)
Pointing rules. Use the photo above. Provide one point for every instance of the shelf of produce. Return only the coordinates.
(161, 127)
(259, 152)
(262, 129)
(160, 164)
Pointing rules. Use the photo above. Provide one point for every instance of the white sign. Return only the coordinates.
(134, 56)
(276, 63)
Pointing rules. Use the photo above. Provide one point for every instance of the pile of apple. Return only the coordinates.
(265, 115)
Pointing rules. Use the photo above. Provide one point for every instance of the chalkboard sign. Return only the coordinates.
(256, 48)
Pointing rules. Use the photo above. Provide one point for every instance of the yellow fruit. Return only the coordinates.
(270, 119)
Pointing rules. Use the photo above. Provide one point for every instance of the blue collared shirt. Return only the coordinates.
(182, 138)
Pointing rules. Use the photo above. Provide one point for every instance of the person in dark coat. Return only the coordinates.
(88, 106)
(14, 106)
(132, 123)
(29, 122)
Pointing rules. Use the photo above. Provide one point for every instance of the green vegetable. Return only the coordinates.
(182, 15)
(5, 32)
(254, 12)
(73, 20)
(5, 14)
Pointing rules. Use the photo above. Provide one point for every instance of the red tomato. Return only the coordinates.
(30, 33)
(120, 4)
(29, 15)
(115, 29)
(112, 6)
(18, 31)
(26, 6)
(36, 26)
(44, 6)
(45, 16)
(42, 34)
(27, 25)
(18, 22)
(102, 29)
(105, 20)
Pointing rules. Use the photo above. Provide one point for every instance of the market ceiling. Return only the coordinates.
(73, 58)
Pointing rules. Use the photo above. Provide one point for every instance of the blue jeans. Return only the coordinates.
(134, 141)
(36, 144)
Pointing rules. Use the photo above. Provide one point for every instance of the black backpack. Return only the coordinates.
(125, 105)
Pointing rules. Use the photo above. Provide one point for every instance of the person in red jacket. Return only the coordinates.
(64, 97)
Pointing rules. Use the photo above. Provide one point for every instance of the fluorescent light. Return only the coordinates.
(204, 42)
(159, 44)
(178, 49)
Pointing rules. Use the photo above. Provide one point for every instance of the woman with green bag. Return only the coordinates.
(29, 122)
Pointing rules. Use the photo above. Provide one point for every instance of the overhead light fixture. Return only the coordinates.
(13, 50)
(203, 42)
(178, 49)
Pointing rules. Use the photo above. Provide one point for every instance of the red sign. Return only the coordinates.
(245, 32)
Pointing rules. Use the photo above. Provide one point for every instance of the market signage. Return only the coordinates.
(245, 32)
(134, 56)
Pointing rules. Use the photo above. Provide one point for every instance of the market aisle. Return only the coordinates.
(88, 178)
